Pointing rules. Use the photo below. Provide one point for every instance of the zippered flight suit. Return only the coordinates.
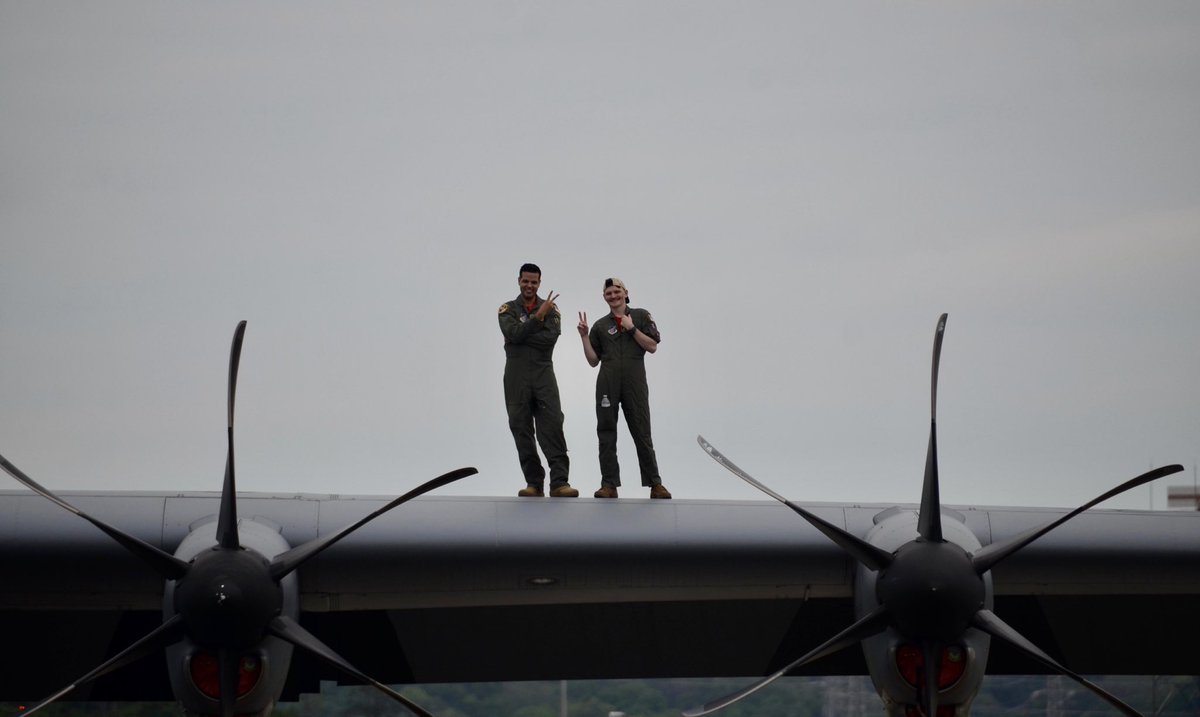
(531, 390)
(622, 382)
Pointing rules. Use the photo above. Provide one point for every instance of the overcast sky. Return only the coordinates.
(796, 191)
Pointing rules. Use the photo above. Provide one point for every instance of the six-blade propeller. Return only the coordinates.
(929, 590)
(229, 598)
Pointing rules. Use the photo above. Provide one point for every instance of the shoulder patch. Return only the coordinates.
(503, 309)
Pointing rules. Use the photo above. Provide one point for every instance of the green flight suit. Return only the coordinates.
(622, 381)
(531, 391)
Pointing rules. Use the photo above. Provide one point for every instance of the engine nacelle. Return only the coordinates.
(894, 661)
(264, 662)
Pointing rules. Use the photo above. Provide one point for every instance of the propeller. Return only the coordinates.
(229, 598)
(929, 590)
(872, 624)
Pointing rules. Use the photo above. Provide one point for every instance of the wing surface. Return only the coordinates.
(496, 589)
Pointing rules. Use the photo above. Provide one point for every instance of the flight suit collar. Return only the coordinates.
(613, 317)
(520, 304)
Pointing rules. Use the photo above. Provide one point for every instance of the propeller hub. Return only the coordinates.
(931, 590)
(227, 599)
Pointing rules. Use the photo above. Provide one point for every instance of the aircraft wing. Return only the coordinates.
(449, 589)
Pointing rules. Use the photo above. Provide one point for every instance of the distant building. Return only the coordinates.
(1183, 497)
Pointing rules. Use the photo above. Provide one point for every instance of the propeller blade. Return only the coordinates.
(871, 624)
(932, 667)
(289, 630)
(228, 676)
(292, 559)
(227, 532)
(929, 521)
(861, 550)
(989, 555)
(987, 621)
(166, 565)
(938, 334)
(165, 634)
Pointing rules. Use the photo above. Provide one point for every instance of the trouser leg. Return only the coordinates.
(636, 405)
(606, 431)
(548, 415)
(520, 422)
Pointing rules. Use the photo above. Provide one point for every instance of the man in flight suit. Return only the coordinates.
(618, 343)
(531, 327)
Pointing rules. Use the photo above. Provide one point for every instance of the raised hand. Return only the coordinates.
(547, 306)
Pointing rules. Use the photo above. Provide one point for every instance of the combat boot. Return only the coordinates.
(606, 491)
(659, 491)
(563, 490)
(530, 491)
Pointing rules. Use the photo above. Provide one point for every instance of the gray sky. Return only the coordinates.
(796, 191)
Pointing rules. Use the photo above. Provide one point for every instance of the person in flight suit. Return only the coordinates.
(531, 327)
(618, 343)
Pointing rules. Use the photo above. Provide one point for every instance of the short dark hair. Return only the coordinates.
(529, 268)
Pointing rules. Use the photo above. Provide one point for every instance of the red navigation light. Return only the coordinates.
(911, 663)
(205, 669)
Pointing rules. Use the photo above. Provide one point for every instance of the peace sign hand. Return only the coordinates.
(546, 307)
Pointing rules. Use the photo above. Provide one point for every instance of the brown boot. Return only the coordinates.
(563, 490)
(659, 491)
(606, 491)
(530, 491)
